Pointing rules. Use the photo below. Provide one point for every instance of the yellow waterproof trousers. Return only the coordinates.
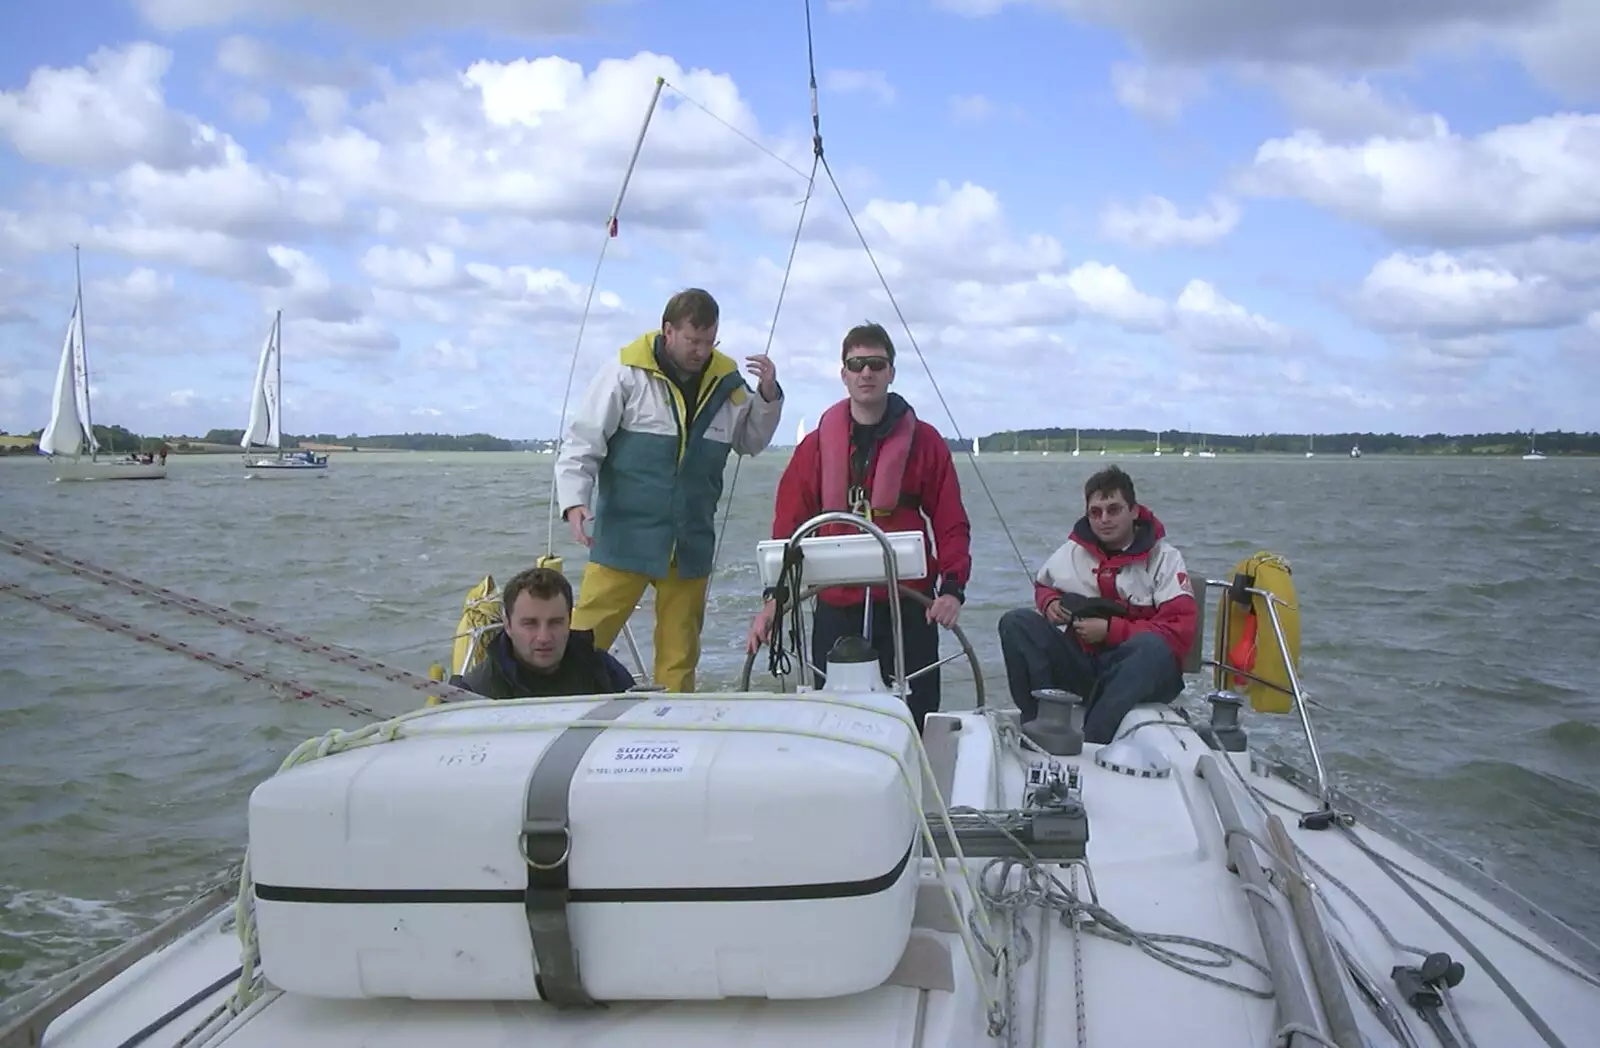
(607, 596)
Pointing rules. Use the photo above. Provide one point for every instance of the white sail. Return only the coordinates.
(71, 429)
(265, 426)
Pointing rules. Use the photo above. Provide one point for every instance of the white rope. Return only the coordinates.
(1039, 886)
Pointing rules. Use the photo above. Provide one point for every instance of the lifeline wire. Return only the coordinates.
(283, 686)
(193, 606)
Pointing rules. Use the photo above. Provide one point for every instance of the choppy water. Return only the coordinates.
(1449, 626)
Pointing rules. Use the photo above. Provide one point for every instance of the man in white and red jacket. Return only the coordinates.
(871, 455)
(1114, 613)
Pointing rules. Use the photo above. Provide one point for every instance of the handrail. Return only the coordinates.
(891, 576)
(1272, 600)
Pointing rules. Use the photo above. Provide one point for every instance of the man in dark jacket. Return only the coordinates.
(538, 653)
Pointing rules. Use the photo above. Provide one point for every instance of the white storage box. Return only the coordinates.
(703, 864)
(846, 560)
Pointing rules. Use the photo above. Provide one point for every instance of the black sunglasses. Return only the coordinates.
(855, 365)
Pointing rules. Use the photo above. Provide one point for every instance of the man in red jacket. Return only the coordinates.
(870, 454)
(1122, 591)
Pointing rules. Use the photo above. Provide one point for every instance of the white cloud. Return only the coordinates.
(1159, 92)
(971, 109)
(432, 269)
(1109, 292)
(138, 296)
(1556, 39)
(1442, 295)
(381, 17)
(232, 197)
(447, 356)
(104, 114)
(873, 82)
(485, 143)
(1157, 223)
(1343, 110)
(431, 235)
(251, 59)
(1514, 181)
(310, 293)
(250, 108)
(1212, 324)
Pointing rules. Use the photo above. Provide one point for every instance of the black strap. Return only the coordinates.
(547, 847)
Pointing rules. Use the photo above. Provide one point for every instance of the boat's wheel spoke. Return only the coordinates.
(965, 652)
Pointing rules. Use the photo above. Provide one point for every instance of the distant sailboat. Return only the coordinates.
(1311, 446)
(71, 426)
(1077, 443)
(800, 431)
(266, 420)
(1534, 454)
(1355, 451)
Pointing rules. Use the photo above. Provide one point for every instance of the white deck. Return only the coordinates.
(1157, 855)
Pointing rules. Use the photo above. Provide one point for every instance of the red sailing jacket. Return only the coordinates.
(1149, 579)
(909, 474)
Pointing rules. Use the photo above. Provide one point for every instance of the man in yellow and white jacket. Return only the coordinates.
(646, 449)
(1121, 589)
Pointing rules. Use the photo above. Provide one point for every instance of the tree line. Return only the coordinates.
(1557, 442)
(119, 440)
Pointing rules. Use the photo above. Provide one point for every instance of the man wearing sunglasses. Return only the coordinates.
(871, 455)
(646, 448)
(1121, 591)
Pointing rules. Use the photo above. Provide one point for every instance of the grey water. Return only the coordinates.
(1449, 622)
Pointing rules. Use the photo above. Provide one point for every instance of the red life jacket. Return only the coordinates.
(890, 506)
(886, 465)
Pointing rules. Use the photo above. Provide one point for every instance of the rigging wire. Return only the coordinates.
(894, 303)
(550, 559)
(819, 159)
(772, 330)
(588, 302)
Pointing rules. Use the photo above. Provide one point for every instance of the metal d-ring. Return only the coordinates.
(566, 852)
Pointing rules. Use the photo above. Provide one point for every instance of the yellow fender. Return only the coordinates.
(1245, 638)
(479, 612)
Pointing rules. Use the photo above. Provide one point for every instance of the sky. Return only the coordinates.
(1224, 216)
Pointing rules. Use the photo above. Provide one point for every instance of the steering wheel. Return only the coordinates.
(916, 596)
